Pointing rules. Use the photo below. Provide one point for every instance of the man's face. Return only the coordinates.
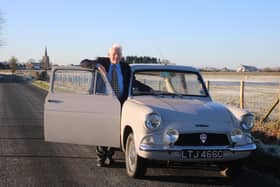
(115, 56)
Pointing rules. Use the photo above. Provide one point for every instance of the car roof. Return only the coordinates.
(136, 67)
(69, 68)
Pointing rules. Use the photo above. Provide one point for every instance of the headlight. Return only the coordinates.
(170, 136)
(236, 135)
(247, 122)
(153, 120)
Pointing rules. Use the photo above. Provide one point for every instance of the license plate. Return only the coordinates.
(202, 154)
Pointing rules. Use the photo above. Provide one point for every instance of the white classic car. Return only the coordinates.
(171, 118)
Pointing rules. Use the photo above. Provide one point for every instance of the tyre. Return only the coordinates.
(135, 165)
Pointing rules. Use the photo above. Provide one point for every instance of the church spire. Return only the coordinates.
(46, 52)
(45, 62)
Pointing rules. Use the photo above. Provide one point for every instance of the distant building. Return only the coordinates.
(245, 68)
(225, 69)
(45, 63)
(33, 65)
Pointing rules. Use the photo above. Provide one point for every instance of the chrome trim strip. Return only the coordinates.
(239, 148)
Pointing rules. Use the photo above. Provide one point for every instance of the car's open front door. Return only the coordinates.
(81, 109)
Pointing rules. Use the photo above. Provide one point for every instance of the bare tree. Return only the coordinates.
(31, 60)
(13, 64)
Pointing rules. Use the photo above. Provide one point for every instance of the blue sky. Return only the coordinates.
(199, 33)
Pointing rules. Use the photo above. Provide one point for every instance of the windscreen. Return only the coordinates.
(167, 82)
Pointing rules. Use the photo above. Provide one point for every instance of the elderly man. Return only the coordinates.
(118, 73)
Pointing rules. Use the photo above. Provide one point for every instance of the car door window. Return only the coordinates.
(73, 81)
(100, 84)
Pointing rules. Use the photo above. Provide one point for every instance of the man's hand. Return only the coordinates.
(102, 69)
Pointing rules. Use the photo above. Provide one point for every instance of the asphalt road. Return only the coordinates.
(26, 160)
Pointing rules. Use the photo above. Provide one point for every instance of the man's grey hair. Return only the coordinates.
(115, 46)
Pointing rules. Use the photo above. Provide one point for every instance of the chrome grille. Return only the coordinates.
(194, 139)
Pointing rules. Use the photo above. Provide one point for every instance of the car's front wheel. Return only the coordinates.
(135, 165)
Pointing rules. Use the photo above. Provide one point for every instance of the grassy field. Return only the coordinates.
(258, 97)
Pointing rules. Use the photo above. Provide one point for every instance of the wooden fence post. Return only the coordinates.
(270, 110)
(241, 94)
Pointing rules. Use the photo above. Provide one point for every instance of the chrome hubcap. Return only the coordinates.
(131, 156)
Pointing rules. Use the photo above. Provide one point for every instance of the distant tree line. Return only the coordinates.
(4, 66)
(13, 63)
(141, 60)
(267, 69)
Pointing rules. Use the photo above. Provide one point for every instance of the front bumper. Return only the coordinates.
(174, 153)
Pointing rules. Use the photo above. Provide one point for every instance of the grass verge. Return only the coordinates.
(41, 84)
(267, 156)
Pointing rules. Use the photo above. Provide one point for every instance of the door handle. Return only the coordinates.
(54, 101)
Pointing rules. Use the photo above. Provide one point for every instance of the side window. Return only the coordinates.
(100, 85)
(73, 81)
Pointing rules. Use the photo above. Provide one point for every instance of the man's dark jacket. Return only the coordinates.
(106, 63)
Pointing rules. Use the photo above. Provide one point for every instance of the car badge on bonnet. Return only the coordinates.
(203, 137)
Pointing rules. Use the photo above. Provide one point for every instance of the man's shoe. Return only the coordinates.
(110, 161)
(99, 163)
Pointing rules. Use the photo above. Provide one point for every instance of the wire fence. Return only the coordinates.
(258, 96)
